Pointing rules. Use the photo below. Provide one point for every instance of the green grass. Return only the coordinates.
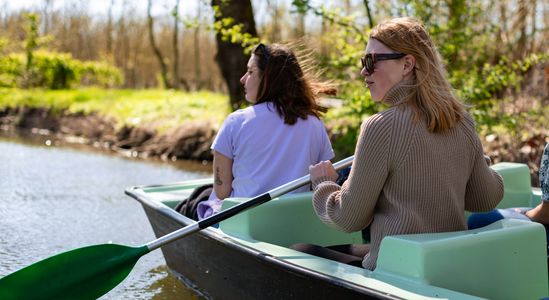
(161, 109)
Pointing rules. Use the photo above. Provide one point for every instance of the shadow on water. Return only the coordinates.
(163, 286)
(56, 197)
(169, 287)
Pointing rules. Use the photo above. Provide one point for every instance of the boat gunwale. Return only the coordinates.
(138, 194)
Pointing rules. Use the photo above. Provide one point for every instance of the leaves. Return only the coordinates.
(54, 70)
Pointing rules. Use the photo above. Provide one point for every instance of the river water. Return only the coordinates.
(54, 199)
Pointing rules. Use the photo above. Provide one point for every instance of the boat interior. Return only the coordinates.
(505, 260)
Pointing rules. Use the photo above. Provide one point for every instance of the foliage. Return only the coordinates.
(3, 43)
(47, 69)
(483, 87)
(233, 32)
(31, 40)
(55, 71)
(11, 67)
(467, 37)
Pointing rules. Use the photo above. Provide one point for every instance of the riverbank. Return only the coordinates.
(190, 140)
(168, 124)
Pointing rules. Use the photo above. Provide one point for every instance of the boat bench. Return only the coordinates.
(505, 260)
(289, 213)
(518, 189)
(284, 221)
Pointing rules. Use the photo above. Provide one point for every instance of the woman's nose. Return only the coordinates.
(363, 72)
(243, 79)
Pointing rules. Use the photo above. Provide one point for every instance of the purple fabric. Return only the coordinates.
(208, 208)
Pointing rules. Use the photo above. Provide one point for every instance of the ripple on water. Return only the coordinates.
(54, 200)
(164, 286)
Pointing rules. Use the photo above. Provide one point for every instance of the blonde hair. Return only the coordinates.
(432, 98)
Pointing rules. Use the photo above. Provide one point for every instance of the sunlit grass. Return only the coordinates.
(161, 109)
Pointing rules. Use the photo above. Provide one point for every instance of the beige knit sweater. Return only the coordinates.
(407, 180)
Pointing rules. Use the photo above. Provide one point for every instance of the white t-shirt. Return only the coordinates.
(267, 153)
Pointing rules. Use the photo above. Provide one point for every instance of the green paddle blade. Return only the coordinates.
(84, 273)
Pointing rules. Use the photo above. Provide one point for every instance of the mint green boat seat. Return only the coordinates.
(284, 221)
(518, 188)
(505, 260)
(172, 194)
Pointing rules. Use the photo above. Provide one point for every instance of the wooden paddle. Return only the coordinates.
(90, 272)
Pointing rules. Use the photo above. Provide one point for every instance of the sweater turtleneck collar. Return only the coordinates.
(399, 93)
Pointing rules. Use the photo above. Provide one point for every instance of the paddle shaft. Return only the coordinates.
(223, 215)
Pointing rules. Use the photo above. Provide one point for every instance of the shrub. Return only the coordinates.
(54, 70)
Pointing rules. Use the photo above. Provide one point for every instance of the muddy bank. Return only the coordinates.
(188, 141)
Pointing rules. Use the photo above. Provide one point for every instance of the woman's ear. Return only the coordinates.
(409, 64)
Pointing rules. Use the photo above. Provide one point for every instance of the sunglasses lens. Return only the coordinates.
(368, 63)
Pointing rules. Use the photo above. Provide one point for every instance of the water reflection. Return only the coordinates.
(168, 287)
(54, 199)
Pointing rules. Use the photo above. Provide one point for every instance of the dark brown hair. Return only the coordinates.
(289, 84)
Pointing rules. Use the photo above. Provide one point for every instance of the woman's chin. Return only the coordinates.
(375, 97)
(249, 100)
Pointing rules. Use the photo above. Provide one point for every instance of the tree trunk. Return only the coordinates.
(276, 28)
(197, 65)
(157, 53)
(176, 45)
(46, 13)
(369, 13)
(533, 30)
(122, 42)
(230, 57)
(520, 26)
(300, 26)
(109, 30)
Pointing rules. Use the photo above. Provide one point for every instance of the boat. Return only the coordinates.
(247, 256)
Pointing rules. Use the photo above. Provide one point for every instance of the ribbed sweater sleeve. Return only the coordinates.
(485, 186)
(337, 205)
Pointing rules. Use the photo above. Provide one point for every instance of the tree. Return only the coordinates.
(175, 43)
(230, 54)
(196, 37)
(157, 53)
(31, 39)
(108, 30)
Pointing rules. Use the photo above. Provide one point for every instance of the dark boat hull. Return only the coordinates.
(220, 268)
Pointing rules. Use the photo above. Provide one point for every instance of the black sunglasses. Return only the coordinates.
(369, 60)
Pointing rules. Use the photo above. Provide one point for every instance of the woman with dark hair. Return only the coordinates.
(275, 140)
(418, 164)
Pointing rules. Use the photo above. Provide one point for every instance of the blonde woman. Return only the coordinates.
(418, 164)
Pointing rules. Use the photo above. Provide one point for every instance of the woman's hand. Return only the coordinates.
(323, 169)
(540, 213)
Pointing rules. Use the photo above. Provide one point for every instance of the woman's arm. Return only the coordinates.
(351, 207)
(485, 186)
(223, 175)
